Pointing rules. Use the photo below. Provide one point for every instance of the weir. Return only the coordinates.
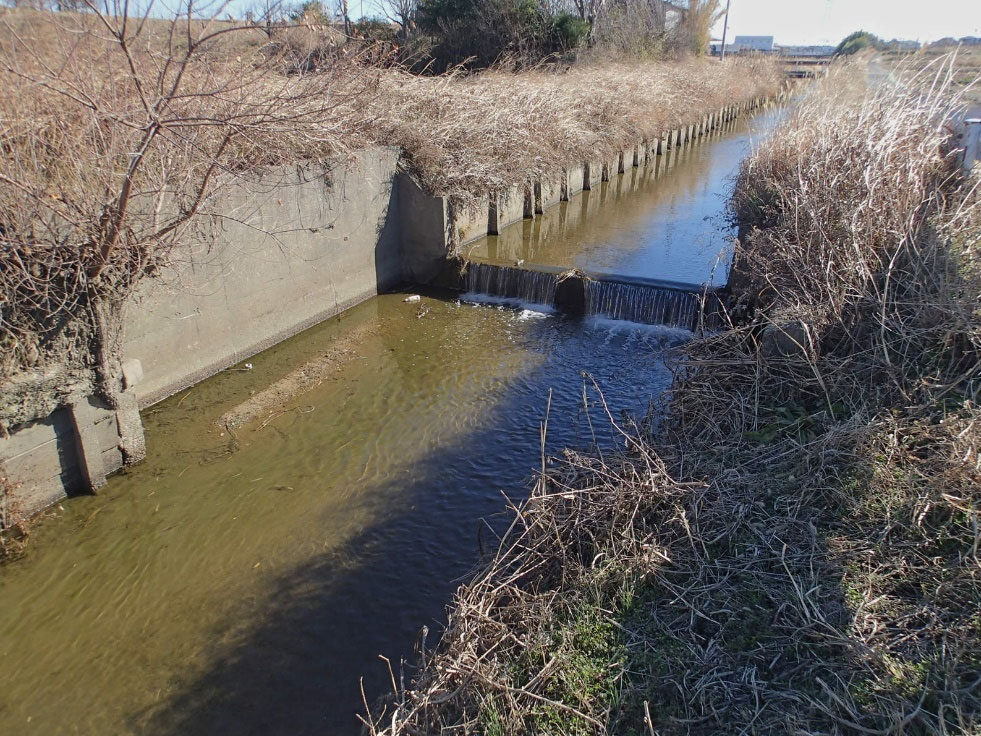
(578, 293)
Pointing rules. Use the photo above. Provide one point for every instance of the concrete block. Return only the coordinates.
(548, 192)
(506, 207)
(573, 181)
(470, 222)
(132, 370)
(132, 444)
(41, 463)
(85, 414)
(529, 202)
(592, 175)
(425, 226)
(295, 244)
(611, 167)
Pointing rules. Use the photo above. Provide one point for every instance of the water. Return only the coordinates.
(644, 303)
(666, 220)
(243, 584)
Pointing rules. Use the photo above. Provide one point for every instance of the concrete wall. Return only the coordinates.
(288, 249)
(293, 248)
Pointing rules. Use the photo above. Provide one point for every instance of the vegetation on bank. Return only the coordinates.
(795, 550)
(119, 135)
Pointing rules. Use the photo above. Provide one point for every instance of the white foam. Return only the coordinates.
(637, 330)
(473, 297)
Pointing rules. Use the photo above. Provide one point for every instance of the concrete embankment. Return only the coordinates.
(286, 250)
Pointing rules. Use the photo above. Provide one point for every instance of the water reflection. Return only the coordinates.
(664, 220)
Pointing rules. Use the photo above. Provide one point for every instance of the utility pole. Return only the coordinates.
(725, 29)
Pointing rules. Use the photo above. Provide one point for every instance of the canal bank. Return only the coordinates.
(285, 250)
(248, 578)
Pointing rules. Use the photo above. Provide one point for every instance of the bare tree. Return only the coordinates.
(118, 129)
(267, 15)
(402, 13)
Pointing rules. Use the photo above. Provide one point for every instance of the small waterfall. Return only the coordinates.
(531, 287)
(647, 303)
(650, 304)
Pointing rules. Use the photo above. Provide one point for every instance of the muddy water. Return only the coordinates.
(666, 220)
(242, 584)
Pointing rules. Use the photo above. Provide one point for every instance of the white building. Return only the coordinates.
(761, 44)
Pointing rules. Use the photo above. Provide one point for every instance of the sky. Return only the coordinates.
(811, 22)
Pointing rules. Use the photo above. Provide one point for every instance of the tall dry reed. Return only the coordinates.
(796, 551)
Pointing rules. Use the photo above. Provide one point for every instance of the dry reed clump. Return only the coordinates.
(467, 136)
(797, 549)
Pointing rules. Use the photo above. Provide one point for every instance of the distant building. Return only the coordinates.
(759, 44)
(900, 45)
(806, 50)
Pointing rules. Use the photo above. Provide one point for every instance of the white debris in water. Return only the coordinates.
(412, 298)
(526, 314)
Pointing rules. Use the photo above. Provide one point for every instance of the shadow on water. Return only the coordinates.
(292, 662)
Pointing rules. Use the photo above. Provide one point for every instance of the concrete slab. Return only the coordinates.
(506, 207)
(574, 178)
(299, 244)
(592, 175)
(548, 192)
(85, 414)
(470, 222)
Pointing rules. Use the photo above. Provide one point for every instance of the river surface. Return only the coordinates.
(665, 221)
(243, 583)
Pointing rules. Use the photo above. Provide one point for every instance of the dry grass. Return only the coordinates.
(796, 550)
(466, 136)
(966, 67)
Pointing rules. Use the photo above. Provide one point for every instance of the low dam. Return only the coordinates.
(274, 542)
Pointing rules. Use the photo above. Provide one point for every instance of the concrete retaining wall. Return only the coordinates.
(294, 247)
(288, 249)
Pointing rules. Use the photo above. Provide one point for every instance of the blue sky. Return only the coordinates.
(828, 21)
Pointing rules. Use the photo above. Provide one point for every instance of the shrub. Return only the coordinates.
(857, 41)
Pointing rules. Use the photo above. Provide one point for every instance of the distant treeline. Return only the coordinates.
(441, 34)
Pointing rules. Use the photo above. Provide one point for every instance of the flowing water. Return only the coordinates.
(666, 220)
(242, 583)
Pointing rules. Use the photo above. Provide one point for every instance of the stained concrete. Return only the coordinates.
(468, 222)
(548, 192)
(592, 175)
(506, 207)
(575, 176)
(298, 245)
